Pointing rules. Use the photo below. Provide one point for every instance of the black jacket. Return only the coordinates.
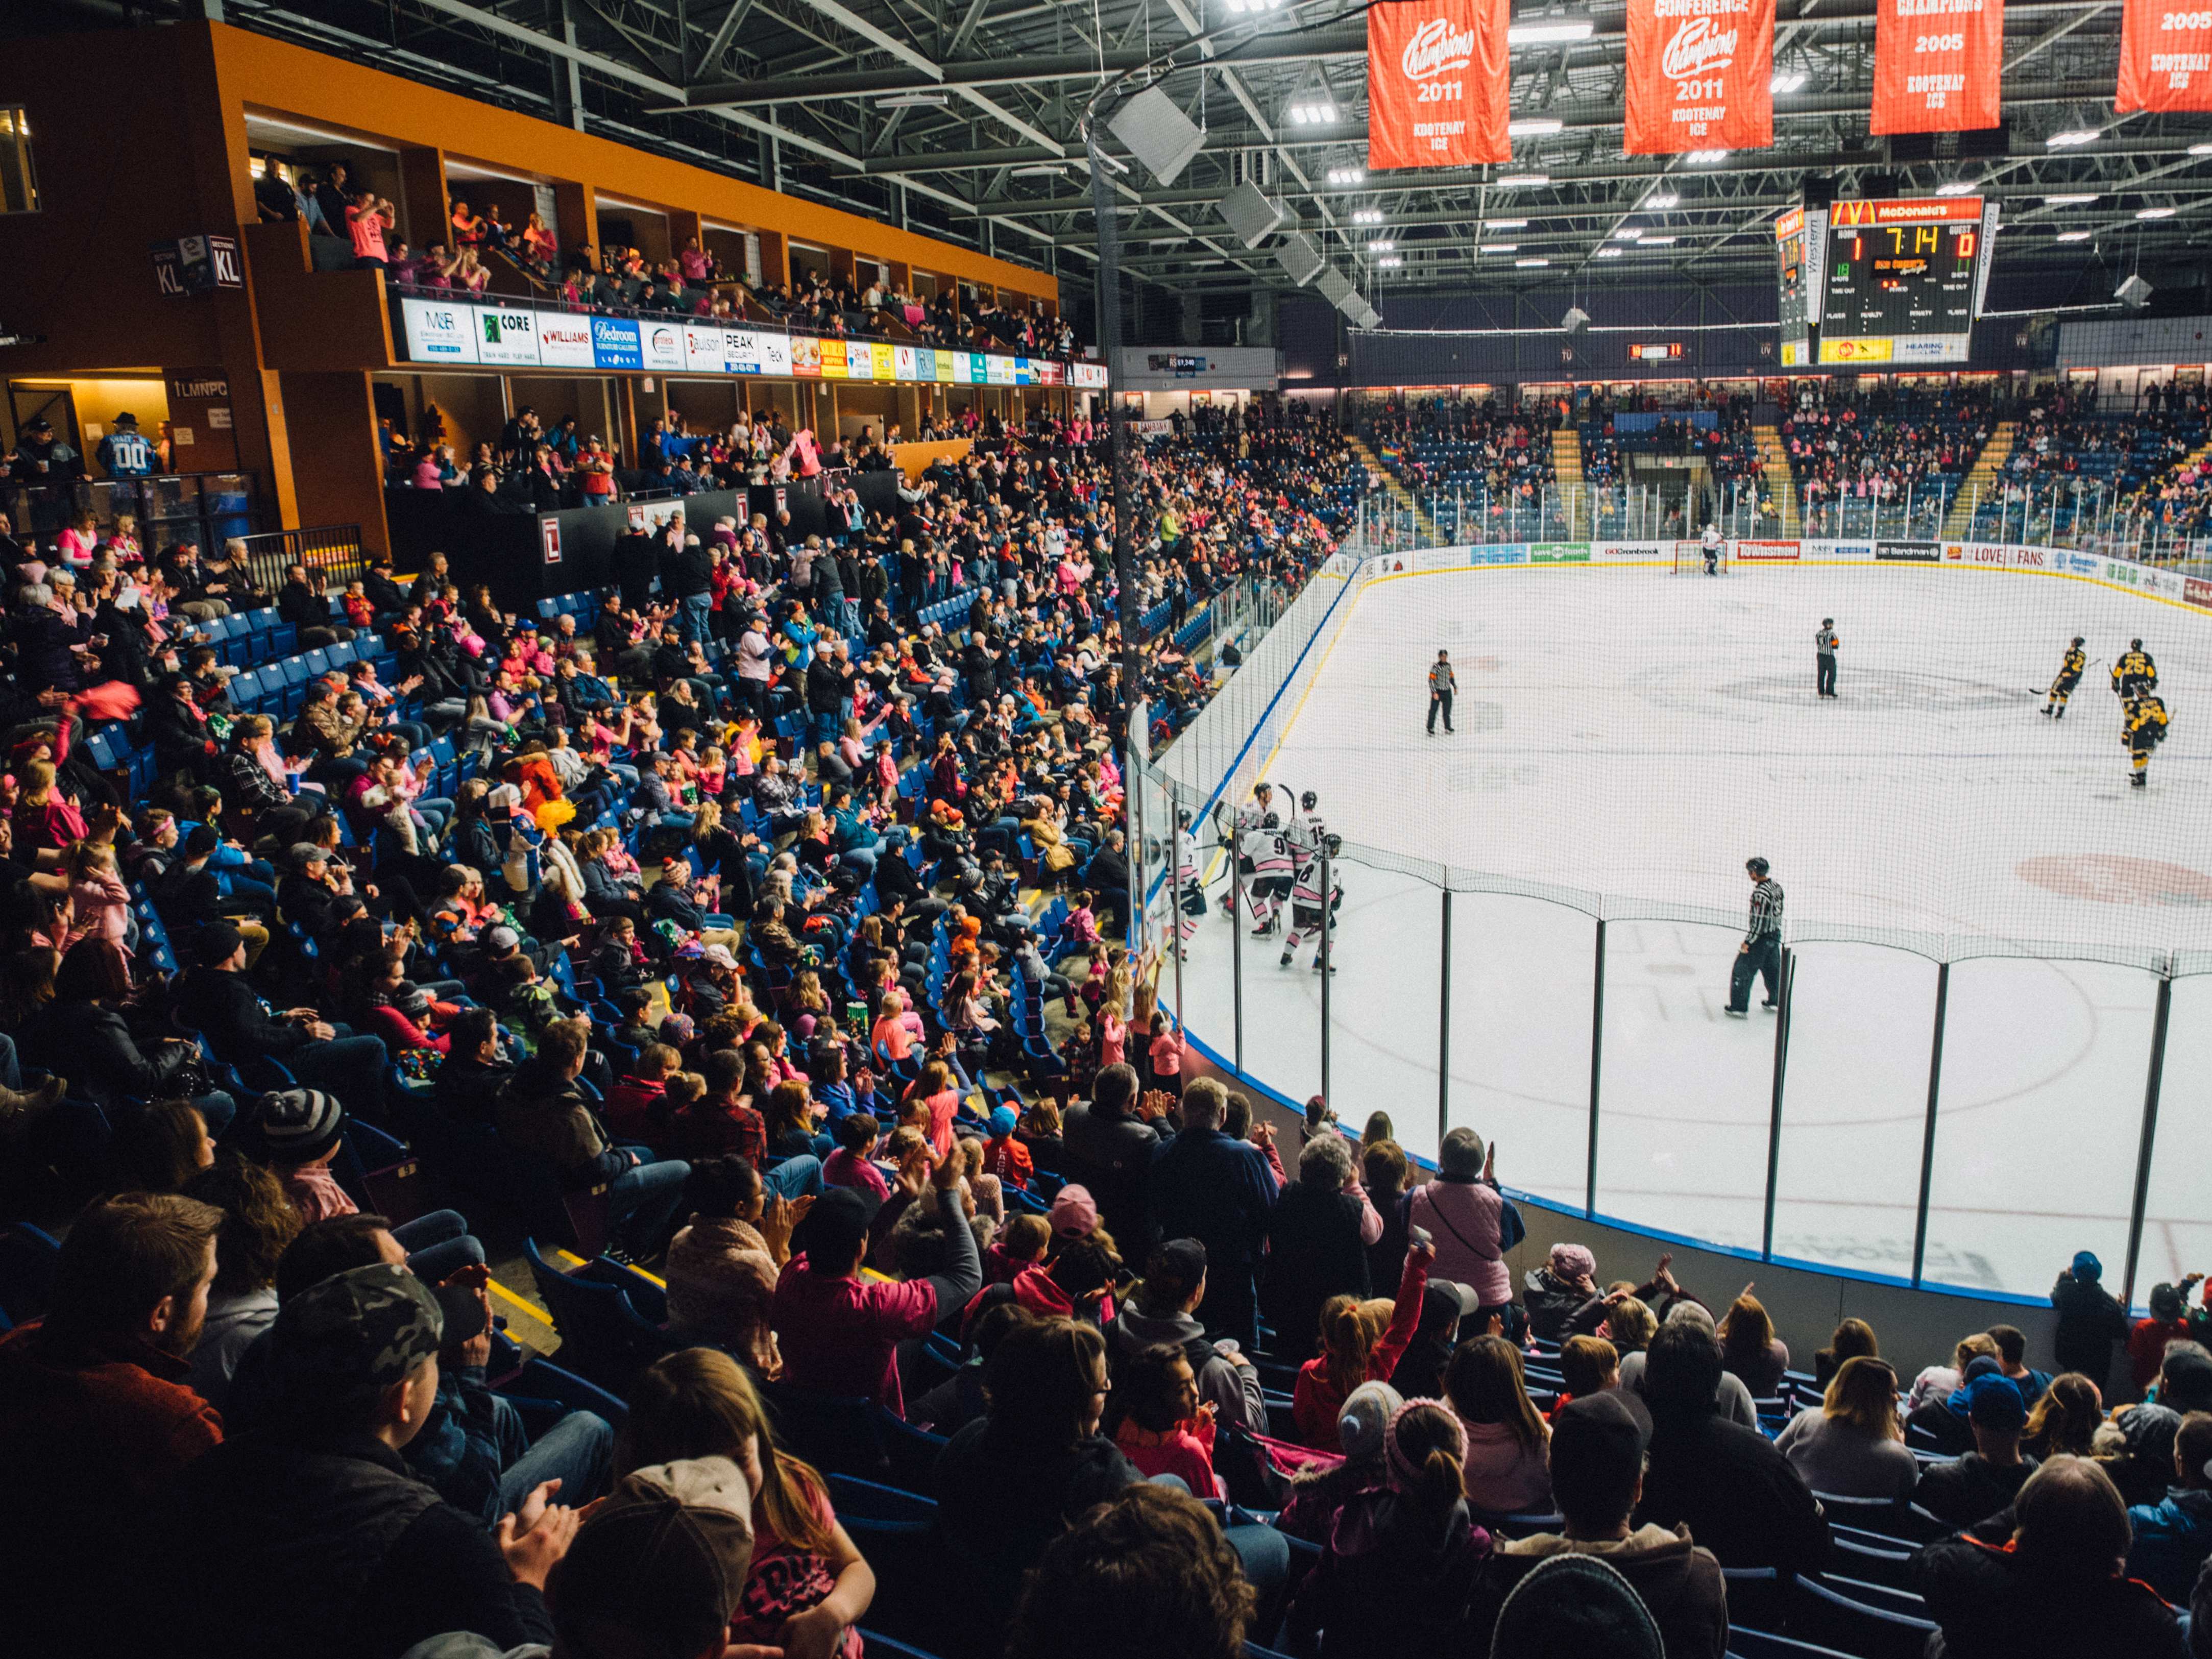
(301, 606)
(692, 570)
(225, 1009)
(1992, 1605)
(1968, 1489)
(1738, 1495)
(273, 1549)
(1109, 1156)
(89, 1043)
(1314, 1252)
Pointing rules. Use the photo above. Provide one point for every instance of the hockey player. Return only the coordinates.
(2135, 673)
(1275, 869)
(2069, 675)
(1252, 828)
(1190, 889)
(1307, 912)
(1710, 543)
(2145, 730)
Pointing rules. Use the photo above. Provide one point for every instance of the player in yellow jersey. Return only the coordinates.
(2069, 675)
(2135, 673)
(2145, 730)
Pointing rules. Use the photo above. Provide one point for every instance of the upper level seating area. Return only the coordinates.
(1892, 459)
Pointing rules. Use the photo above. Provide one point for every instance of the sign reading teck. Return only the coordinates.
(1700, 76)
(1938, 65)
(1439, 83)
(2166, 56)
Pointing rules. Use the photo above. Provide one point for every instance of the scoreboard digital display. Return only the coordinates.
(1798, 242)
(1903, 279)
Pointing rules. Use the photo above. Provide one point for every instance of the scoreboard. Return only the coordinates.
(1902, 281)
(1797, 252)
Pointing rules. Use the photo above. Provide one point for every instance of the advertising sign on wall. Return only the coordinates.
(1909, 552)
(437, 332)
(506, 336)
(661, 345)
(564, 341)
(1767, 552)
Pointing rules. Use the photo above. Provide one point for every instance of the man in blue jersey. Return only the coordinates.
(125, 452)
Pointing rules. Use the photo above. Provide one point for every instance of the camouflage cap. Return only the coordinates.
(367, 1324)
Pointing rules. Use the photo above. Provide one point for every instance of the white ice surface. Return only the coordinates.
(1639, 735)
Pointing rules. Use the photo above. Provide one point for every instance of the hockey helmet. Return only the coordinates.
(1263, 789)
(2134, 644)
(2078, 640)
(1332, 844)
(1758, 867)
(1309, 800)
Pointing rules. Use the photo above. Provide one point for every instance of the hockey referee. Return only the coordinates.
(1761, 951)
(1824, 658)
(1443, 683)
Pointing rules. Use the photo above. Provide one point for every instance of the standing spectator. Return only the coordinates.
(1110, 1152)
(1737, 1495)
(1360, 1342)
(367, 216)
(1968, 1489)
(1597, 1475)
(1471, 1223)
(1161, 1309)
(2047, 1577)
(2089, 1320)
(1852, 1444)
(1318, 1237)
(2168, 1322)
(1209, 1186)
(96, 1418)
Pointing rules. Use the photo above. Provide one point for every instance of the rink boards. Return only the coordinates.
(1578, 993)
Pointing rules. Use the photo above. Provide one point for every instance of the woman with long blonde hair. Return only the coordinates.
(1852, 1444)
(806, 1588)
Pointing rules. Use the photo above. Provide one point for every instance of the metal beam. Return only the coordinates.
(710, 60)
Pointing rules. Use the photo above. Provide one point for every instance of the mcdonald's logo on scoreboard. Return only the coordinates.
(1906, 210)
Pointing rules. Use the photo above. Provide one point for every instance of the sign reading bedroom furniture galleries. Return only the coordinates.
(1439, 83)
(1700, 76)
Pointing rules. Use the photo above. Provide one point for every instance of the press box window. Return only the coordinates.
(19, 185)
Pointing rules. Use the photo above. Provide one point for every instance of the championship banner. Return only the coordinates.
(1700, 76)
(1937, 64)
(2165, 58)
(1439, 83)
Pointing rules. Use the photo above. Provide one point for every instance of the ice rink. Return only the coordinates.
(1633, 736)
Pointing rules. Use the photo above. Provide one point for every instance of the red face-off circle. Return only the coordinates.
(2112, 878)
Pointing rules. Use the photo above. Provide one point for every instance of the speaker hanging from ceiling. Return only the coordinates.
(1334, 286)
(1300, 259)
(1250, 212)
(1158, 133)
(1353, 303)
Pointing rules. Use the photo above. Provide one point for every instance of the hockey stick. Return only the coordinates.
(2050, 689)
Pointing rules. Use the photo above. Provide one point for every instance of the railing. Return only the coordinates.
(1952, 1110)
(332, 554)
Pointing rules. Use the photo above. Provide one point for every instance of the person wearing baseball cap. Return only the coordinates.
(1597, 1451)
(312, 1535)
(1969, 1489)
(1163, 1309)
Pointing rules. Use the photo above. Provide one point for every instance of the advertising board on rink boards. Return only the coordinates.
(1759, 552)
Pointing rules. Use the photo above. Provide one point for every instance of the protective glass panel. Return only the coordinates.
(1383, 1001)
(1854, 1107)
(1686, 1092)
(2037, 1126)
(1521, 1038)
(2178, 1216)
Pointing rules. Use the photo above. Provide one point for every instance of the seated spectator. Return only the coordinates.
(2136, 1445)
(1360, 1342)
(1397, 1570)
(1749, 1347)
(1165, 1429)
(1588, 1366)
(315, 1526)
(2012, 1355)
(257, 1223)
(2065, 1420)
(1162, 1309)
(1506, 1461)
(839, 1334)
(2173, 1537)
(1144, 1575)
(1852, 1444)
(1317, 1237)
(1598, 1443)
(96, 1418)
(2047, 1577)
(1730, 1397)
(722, 1267)
(1420, 1374)
(1968, 1489)
(1737, 1495)
(213, 999)
(1935, 1383)
(1566, 1281)
(806, 1586)
(1854, 1338)
(1318, 1493)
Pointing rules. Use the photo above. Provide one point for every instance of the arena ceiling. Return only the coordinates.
(961, 117)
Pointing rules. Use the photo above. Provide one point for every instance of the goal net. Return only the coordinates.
(1690, 556)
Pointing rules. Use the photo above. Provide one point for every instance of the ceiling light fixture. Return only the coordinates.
(1530, 264)
(1549, 35)
(1368, 217)
(914, 100)
(1957, 187)
(1240, 8)
(1705, 158)
(1788, 81)
(1505, 224)
(1347, 175)
(1523, 180)
(2155, 212)
(2074, 200)
(2071, 136)
(1608, 253)
(1534, 127)
(2200, 149)
(1313, 112)
(1628, 233)
(1501, 247)
(1391, 263)
(1659, 241)
(1380, 247)
(2073, 235)
(1660, 200)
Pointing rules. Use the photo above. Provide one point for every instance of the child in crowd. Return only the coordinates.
(1004, 1156)
(852, 1163)
(1020, 1245)
(1165, 1428)
(637, 1107)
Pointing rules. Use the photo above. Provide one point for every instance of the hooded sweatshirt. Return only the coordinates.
(1679, 1582)
(1237, 1396)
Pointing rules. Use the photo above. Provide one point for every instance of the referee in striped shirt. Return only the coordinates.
(1760, 953)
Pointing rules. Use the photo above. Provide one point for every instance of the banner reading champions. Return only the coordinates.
(1439, 83)
(1700, 76)
(2165, 58)
(1938, 65)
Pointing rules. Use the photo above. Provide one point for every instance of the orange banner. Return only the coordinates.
(2165, 58)
(1937, 64)
(1700, 76)
(1439, 83)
